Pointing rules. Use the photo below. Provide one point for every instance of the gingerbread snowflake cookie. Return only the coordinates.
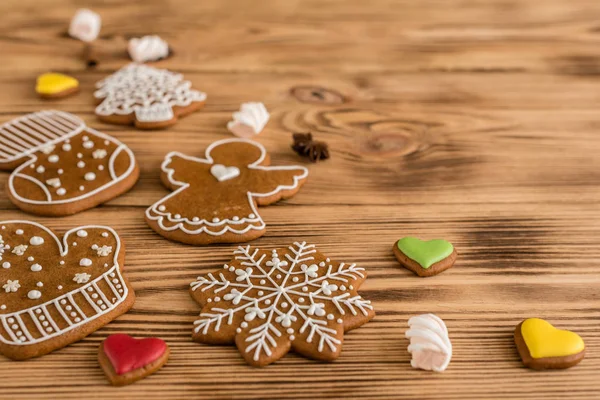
(215, 198)
(55, 292)
(146, 97)
(268, 302)
(61, 166)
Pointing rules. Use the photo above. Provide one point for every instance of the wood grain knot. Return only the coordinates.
(317, 95)
(388, 145)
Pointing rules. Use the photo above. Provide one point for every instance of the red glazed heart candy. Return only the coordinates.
(127, 354)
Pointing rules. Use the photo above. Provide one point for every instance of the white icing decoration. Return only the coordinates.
(88, 144)
(39, 284)
(6, 265)
(40, 169)
(36, 241)
(61, 191)
(147, 48)
(82, 277)
(18, 140)
(90, 176)
(249, 121)
(99, 154)
(19, 231)
(47, 149)
(66, 147)
(85, 262)
(82, 233)
(34, 294)
(11, 286)
(242, 225)
(36, 268)
(104, 251)
(81, 188)
(79, 155)
(429, 343)
(85, 25)
(20, 249)
(271, 320)
(3, 307)
(134, 88)
(70, 301)
(80, 164)
(104, 234)
(53, 158)
(54, 182)
(100, 167)
(223, 173)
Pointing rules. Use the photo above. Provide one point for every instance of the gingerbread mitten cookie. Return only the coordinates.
(147, 97)
(55, 293)
(270, 301)
(63, 166)
(215, 198)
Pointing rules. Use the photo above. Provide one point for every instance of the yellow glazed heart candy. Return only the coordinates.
(53, 83)
(544, 340)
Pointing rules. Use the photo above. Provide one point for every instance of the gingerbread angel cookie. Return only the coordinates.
(147, 97)
(55, 292)
(269, 302)
(61, 166)
(215, 198)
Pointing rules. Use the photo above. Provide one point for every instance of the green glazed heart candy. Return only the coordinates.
(425, 253)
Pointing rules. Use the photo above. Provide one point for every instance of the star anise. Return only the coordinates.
(305, 146)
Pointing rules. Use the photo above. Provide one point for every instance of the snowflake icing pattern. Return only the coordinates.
(297, 298)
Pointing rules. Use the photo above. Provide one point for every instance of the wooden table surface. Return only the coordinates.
(475, 121)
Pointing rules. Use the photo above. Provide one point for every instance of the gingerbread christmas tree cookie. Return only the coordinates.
(215, 198)
(55, 292)
(61, 166)
(269, 302)
(147, 97)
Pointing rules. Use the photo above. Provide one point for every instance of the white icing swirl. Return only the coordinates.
(85, 25)
(249, 121)
(148, 48)
(429, 343)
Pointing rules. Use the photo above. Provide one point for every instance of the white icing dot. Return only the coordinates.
(32, 166)
(60, 171)
(74, 243)
(231, 269)
(278, 276)
(215, 219)
(6, 264)
(236, 218)
(66, 147)
(77, 319)
(30, 258)
(295, 279)
(36, 241)
(38, 311)
(36, 268)
(48, 329)
(339, 321)
(112, 275)
(244, 324)
(61, 262)
(103, 306)
(19, 231)
(195, 219)
(100, 167)
(88, 144)
(3, 227)
(162, 208)
(90, 289)
(304, 289)
(284, 304)
(177, 216)
(42, 318)
(260, 293)
(290, 330)
(238, 330)
(267, 301)
(68, 308)
(99, 302)
(209, 300)
(330, 316)
(251, 216)
(94, 247)
(40, 169)
(11, 320)
(85, 138)
(61, 191)
(82, 233)
(342, 287)
(80, 164)
(34, 294)
(81, 188)
(63, 301)
(90, 176)
(351, 287)
(79, 155)
(104, 234)
(22, 338)
(106, 142)
(95, 295)
(59, 287)
(15, 326)
(3, 307)
(327, 259)
(39, 284)
(292, 337)
(73, 314)
(85, 262)
(321, 264)
(262, 281)
(217, 298)
(53, 158)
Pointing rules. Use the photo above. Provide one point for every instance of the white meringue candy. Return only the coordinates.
(148, 48)
(85, 25)
(249, 121)
(429, 343)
